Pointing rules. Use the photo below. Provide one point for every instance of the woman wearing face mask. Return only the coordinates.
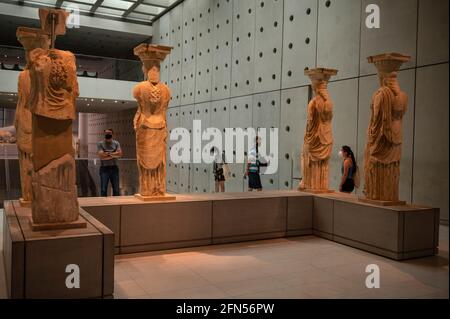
(348, 169)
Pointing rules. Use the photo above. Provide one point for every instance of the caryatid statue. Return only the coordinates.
(318, 139)
(54, 89)
(150, 123)
(384, 135)
(30, 39)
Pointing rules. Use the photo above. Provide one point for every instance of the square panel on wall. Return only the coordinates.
(266, 114)
(243, 67)
(235, 182)
(431, 131)
(299, 41)
(204, 51)
(220, 115)
(184, 178)
(202, 113)
(175, 57)
(241, 117)
(397, 32)
(163, 38)
(268, 45)
(186, 121)
(222, 42)
(432, 46)
(188, 63)
(367, 87)
(338, 36)
(200, 182)
(344, 95)
(173, 124)
(294, 103)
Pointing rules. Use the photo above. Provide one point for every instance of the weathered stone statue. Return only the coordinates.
(150, 123)
(30, 39)
(384, 135)
(54, 89)
(318, 140)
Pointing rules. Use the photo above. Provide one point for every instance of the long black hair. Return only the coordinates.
(349, 152)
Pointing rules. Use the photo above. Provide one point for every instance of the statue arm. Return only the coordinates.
(136, 94)
(401, 103)
(168, 96)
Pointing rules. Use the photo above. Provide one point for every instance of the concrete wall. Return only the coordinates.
(233, 57)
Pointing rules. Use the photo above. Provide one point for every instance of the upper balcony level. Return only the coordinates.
(105, 84)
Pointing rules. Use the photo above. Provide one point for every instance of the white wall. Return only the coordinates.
(231, 54)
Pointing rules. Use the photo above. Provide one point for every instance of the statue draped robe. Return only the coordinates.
(384, 142)
(53, 94)
(318, 144)
(23, 133)
(151, 135)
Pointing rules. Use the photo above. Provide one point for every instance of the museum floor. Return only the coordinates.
(299, 267)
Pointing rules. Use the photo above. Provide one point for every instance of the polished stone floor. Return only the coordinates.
(300, 267)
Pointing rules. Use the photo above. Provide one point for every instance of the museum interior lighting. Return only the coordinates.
(224, 149)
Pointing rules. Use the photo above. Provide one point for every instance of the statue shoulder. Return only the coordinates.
(36, 54)
(138, 88)
(165, 87)
(378, 95)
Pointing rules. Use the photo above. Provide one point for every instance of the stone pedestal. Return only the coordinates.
(154, 198)
(36, 262)
(397, 232)
(317, 191)
(382, 202)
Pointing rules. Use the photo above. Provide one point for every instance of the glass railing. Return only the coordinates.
(13, 58)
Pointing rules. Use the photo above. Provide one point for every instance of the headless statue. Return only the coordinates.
(318, 139)
(384, 134)
(30, 39)
(150, 124)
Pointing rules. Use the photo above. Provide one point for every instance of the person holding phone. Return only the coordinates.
(254, 164)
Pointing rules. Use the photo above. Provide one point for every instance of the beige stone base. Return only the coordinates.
(35, 262)
(382, 202)
(155, 198)
(80, 223)
(24, 203)
(317, 191)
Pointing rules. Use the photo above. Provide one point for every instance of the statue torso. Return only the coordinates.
(153, 101)
(54, 83)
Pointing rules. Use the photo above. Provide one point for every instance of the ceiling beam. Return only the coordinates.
(173, 5)
(95, 6)
(58, 4)
(130, 9)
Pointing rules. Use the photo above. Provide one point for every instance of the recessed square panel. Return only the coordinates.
(46, 2)
(110, 12)
(149, 9)
(117, 4)
(69, 5)
(139, 16)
